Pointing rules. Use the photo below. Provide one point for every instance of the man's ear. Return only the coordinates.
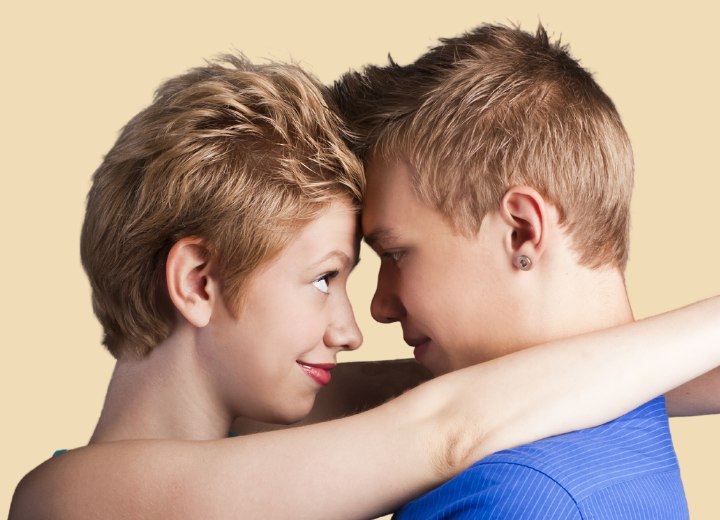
(190, 284)
(524, 210)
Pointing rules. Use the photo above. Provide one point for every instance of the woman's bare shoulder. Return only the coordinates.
(110, 480)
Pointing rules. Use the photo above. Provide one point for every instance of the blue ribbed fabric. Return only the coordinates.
(625, 469)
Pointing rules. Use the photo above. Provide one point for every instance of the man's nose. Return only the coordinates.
(386, 306)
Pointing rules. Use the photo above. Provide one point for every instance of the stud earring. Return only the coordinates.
(522, 262)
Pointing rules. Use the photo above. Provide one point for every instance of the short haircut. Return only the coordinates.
(495, 108)
(237, 154)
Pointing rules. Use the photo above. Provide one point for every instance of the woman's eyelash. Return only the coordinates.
(322, 284)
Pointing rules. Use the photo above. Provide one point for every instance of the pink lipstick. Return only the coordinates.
(320, 372)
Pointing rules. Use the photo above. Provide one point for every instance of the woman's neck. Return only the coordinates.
(163, 396)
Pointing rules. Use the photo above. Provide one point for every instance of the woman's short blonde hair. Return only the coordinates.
(238, 154)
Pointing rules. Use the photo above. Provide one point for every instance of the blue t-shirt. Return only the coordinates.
(625, 469)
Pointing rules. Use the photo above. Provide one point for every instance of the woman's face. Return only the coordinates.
(269, 363)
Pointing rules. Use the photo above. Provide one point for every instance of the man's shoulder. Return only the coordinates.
(560, 476)
(630, 447)
(507, 490)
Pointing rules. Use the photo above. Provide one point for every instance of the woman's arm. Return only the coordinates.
(370, 463)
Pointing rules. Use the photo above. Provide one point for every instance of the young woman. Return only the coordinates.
(220, 231)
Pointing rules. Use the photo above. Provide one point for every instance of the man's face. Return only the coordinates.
(455, 296)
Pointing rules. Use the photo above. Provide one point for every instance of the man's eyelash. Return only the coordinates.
(393, 255)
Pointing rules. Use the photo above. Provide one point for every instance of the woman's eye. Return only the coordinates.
(322, 284)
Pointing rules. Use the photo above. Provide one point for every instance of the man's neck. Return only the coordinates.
(578, 301)
(563, 301)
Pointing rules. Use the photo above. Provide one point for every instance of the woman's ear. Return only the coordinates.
(525, 212)
(190, 285)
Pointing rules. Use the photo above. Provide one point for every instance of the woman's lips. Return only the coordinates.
(320, 373)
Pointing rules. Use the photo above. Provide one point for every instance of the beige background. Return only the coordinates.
(74, 72)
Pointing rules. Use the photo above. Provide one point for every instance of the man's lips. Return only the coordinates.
(420, 346)
(319, 372)
(421, 349)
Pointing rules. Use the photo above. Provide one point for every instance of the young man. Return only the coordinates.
(499, 178)
(219, 233)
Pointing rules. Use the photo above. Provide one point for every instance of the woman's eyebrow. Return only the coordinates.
(340, 255)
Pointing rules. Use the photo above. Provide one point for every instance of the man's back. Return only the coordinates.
(625, 469)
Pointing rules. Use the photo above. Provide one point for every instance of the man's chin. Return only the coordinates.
(436, 367)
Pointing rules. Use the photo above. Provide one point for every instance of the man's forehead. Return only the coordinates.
(390, 205)
(386, 180)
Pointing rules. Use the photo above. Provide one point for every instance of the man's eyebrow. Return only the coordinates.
(379, 234)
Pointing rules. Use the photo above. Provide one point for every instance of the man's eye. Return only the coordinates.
(393, 255)
(322, 284)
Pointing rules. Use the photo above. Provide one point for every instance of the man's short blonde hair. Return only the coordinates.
(495, 108)
(237, 154)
